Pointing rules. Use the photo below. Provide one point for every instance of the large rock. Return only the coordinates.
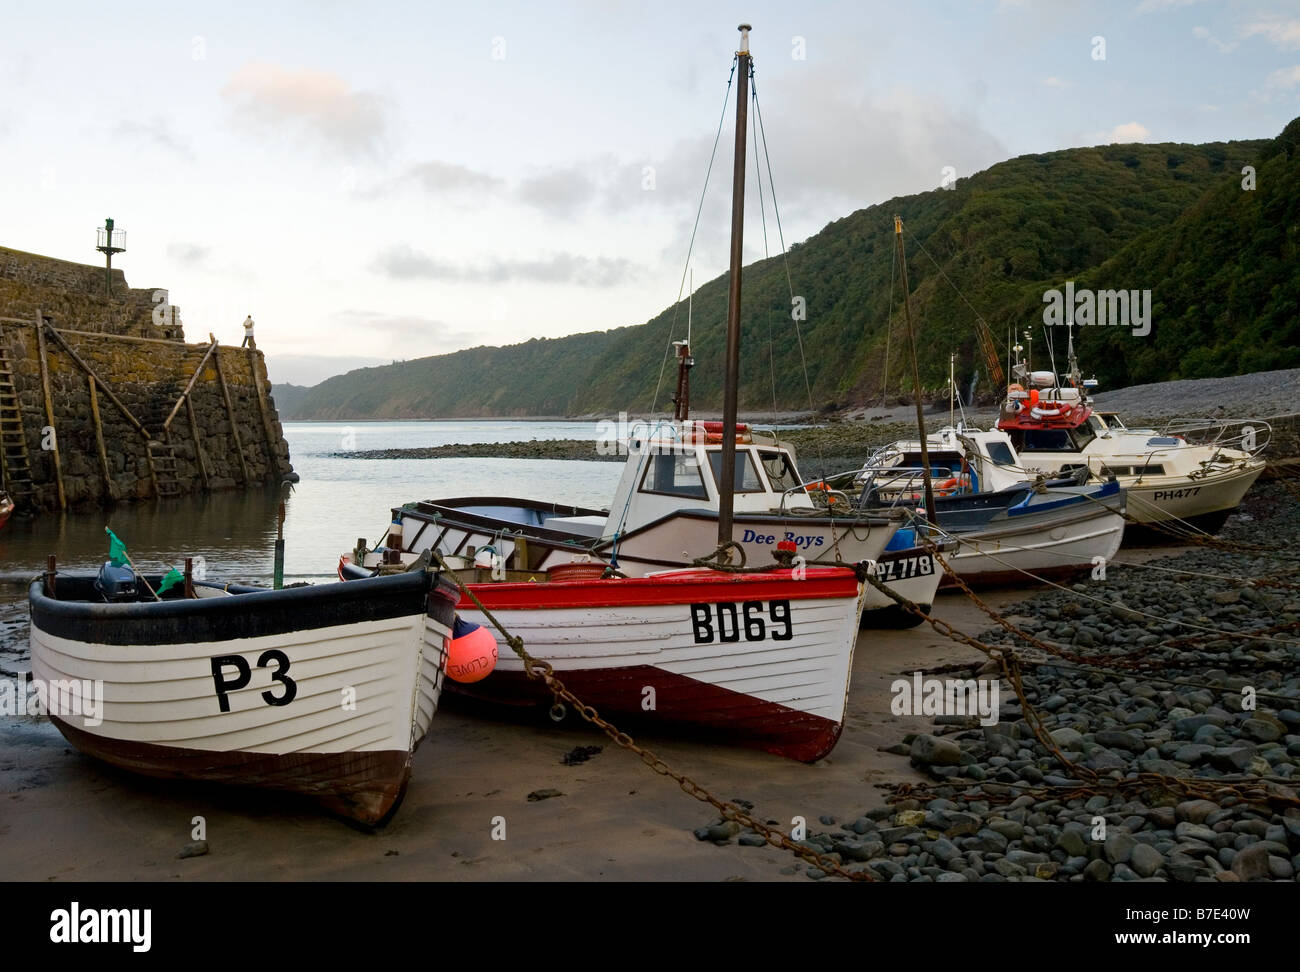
(1145, 860)
(1251, 863)
(931, 751)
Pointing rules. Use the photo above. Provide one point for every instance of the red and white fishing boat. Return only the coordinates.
(757, 659)
(761, 660)
(1170, 478)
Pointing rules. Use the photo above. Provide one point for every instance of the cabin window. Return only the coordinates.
(941, 463)
(1047, 440)
(1098, 424)
(674, 475)
(780, 472)
(1155, 469)
(746, 480)
(1081, 436)
(1000, 453)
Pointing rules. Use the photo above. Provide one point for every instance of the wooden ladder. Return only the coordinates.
(162, 461)
(16, 464)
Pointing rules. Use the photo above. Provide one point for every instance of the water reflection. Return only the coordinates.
(337, 501)
(232, 530)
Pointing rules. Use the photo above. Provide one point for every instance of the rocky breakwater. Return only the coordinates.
(1169, 699)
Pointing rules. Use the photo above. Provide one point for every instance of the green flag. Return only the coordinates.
(172, 578)
(116, 550)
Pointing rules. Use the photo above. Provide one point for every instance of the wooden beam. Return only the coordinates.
(99, 439)
(188, 388)
(230, 413)
(198, 444)
(126, 412)
(49, 407)
(272, 456)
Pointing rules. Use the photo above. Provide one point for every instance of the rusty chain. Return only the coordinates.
(542, 670)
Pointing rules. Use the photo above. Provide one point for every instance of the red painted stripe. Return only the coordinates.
(683, 705)
(679, 587)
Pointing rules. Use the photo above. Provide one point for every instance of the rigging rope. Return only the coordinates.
(691, 247)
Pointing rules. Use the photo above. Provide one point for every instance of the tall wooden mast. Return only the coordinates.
(731, 377)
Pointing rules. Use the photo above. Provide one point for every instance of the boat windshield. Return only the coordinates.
(746, 479)
(1000, 453)
(674, 475)
(780, 471)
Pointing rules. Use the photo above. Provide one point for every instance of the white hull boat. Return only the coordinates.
(323, 690)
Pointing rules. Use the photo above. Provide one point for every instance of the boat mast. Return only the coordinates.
(731, 376)
(930, 513)
(682, 403)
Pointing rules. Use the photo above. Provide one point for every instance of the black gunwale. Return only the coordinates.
(249, 613)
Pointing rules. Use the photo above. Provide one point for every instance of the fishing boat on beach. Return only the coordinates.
(760, 660)
(1172, 480)
(759, 657)
(323, 690)
(1012, 527)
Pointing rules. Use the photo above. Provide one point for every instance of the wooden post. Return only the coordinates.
(188, 388)
(189, 576)
(49, 406)
(51, 569)
(99, 439)
(230, 413)
(198, 444)
(272, 456)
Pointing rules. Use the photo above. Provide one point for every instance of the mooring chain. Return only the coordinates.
(540, 669)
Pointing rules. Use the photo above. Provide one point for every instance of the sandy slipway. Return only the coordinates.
(1214, 631)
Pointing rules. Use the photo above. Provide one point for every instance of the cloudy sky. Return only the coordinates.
(392, 180)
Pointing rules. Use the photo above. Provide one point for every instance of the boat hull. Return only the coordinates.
(324, 691)
(757, 660)
(1059, 543)
(1205, 503)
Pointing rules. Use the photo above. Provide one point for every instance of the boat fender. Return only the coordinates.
(471, 652)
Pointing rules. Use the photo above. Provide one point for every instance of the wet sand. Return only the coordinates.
(67, 817)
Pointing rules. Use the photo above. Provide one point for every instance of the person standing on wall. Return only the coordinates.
(248, 333)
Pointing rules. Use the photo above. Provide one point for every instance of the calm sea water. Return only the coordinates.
(337, 501)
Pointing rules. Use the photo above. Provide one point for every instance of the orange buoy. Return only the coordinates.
(471, 652)
(1033, 397)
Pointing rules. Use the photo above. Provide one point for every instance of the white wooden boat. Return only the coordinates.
(324, 690)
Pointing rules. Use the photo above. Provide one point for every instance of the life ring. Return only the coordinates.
(1049, 411)
(952, 485)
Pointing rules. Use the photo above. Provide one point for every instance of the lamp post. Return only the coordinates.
(109, 241)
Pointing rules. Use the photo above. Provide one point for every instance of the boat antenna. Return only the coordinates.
(1076, 378)
(1051, 354)
(930, 513)
(731, 375)
(952, 387)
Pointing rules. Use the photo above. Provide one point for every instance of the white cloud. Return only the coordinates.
(1225, 47)
(269, 98)
(1055, 82)
(1278, 31)
(1128, 132)
(1284, 78)
(404, 262)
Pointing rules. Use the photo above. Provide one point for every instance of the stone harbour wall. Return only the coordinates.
(193, 453)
